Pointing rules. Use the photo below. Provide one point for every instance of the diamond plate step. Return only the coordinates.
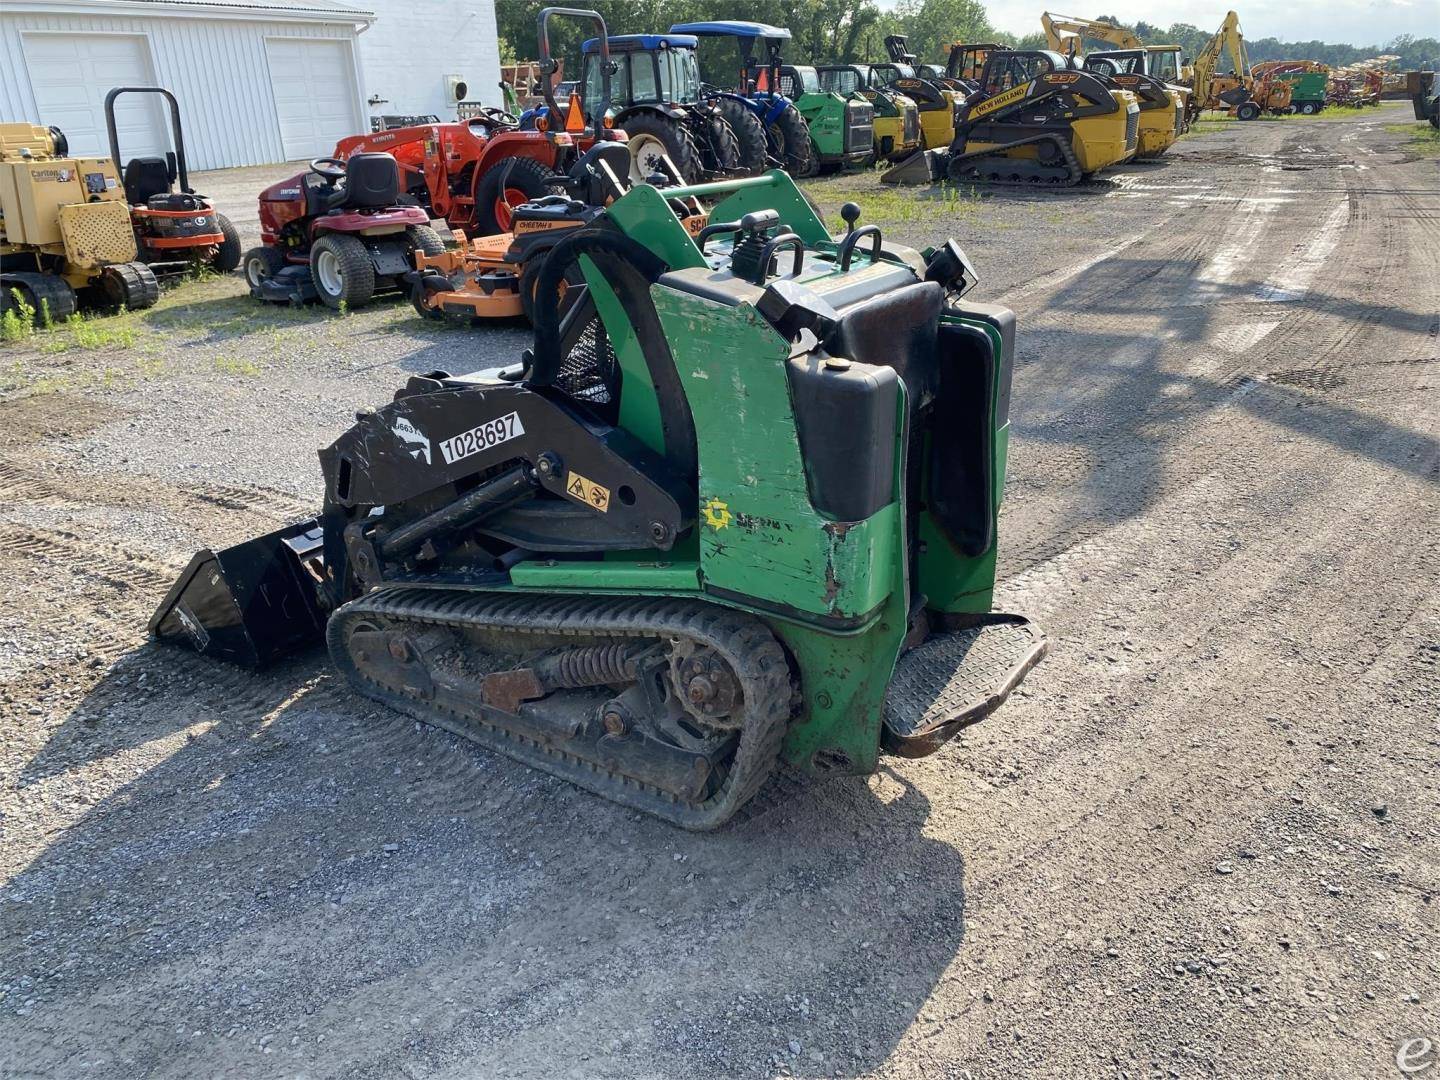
(955, 679)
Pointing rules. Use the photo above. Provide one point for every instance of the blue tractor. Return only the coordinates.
(787, 135)
(655, 91)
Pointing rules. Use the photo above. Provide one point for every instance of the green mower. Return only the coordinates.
(736, 507)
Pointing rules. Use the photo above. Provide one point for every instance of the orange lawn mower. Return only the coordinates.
(494, 277)
(473, 173)
(175, 231)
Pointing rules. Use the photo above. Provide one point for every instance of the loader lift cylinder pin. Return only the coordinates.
(465, 511)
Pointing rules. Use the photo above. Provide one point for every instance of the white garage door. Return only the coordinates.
(71, 74)
(315, 94)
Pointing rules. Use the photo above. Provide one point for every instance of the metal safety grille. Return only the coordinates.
(97, 234)
(1132, 130)
(912, 124)
(1179, 120)
(859, 126)
(589, 372)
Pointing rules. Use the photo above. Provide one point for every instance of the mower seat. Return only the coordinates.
(372, 181)
(146, 177)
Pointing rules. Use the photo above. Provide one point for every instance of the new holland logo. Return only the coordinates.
(999, 101)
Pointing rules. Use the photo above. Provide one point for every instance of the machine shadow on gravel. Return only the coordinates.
(1130, 420)
(350, 860)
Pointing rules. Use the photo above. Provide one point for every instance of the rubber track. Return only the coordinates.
(997, 154)
(745, 643)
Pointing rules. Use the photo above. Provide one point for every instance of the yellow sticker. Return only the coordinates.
(717, 514)
(588, 492)
(999, 101)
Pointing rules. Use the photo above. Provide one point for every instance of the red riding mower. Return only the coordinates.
(475, 172)
(174, 230)
(337, 233)
(494, 277)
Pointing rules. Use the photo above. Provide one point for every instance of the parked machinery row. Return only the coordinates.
(76, 230)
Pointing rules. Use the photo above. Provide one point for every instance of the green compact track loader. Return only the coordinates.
(737, 506)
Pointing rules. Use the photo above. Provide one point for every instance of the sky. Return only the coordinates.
(1353, 22)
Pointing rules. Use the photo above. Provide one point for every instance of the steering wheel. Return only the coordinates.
(329, 168)
(498, 117)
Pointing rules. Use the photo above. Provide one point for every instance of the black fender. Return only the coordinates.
(669, 112)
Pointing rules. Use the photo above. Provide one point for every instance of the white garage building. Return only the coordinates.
(259, 81)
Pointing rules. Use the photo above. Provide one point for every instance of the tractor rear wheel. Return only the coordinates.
(505, 185)
(227, 252)
(424, 238)
(652, 135)
(342, 270)
(789, 139)
(724, 149)
(749, 134)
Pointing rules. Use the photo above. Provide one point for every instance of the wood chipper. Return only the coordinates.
(64, 226)
(737, 507)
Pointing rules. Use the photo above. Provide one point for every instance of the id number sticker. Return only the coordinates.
(481, 437)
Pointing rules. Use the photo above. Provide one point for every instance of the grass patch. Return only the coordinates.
(1424, 139)
(236, 365)
(900, 205)
(90, 333)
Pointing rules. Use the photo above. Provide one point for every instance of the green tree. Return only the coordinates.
(932, 26)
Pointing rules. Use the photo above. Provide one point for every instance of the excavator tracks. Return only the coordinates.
(991, 166)
(538, 679)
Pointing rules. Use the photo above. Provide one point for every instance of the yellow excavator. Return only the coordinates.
(1238, 92)
(1033, 120)
(1147, 72)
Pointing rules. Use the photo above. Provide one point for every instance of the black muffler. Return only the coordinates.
(251, 603)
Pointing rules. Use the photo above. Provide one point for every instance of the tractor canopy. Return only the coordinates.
(649, 69)
(741, 29)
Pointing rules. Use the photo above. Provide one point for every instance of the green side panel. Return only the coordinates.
(643, 215)
(825, 116)
(639, 407)
(950, 580)
(763, 542)
(760, 536)
(645, 574)
(843, 678)
(782, 196)
(1306, 85)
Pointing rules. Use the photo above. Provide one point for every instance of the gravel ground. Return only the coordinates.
(1202, 840)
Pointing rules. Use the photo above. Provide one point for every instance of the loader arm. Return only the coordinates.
(1065, 33)
(1207, 61)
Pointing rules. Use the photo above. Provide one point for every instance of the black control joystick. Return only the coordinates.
(851, 213)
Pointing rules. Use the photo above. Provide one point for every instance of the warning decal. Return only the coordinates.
(588, 492)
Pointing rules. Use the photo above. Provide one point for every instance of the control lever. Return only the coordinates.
(847, 246)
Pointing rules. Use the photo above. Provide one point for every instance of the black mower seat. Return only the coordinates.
(146, 177)
(372, 181)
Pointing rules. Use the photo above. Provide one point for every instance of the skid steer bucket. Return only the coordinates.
(250, 603)
(921, 167)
